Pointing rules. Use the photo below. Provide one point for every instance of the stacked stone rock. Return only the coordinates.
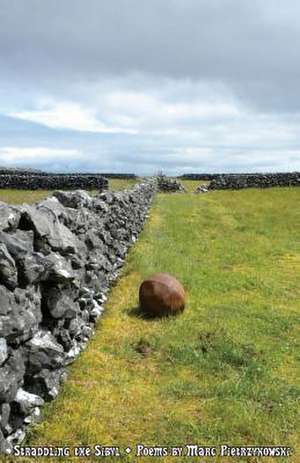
(202, 176)
(57, 261)
(33, 181)
(238, 181)
(168, 185)
(120, 176)
(202, 189)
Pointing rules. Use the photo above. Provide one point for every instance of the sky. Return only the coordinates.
(146, 86)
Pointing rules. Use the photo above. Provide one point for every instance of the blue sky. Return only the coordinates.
(139, 86)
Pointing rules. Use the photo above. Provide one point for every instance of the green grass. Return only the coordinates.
(191, 185)
(12, 196)
(227, 369)
(121, 184)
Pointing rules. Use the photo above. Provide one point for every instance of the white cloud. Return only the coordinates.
(67, 115)
(200, 85)
(161, 109)
(148, 112)
(178, 126)
(14, 155)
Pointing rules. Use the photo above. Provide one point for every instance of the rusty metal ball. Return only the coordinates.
(161, 294)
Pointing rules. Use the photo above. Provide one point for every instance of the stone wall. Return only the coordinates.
(32, 181)
(203, 176)
(11, 171)
(168, 185)
(57, 261)
(120, 176)
(238, 181)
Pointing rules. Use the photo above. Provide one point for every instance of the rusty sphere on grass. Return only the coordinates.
(161, 294)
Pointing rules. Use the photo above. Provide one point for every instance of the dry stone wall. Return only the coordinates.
(243, 180)
(33, 181)
(168, 185)
(238, 181)
(58, 259)
(202, 176)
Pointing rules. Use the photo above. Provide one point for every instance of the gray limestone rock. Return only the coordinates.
(19, 243)
(50, 233)
(58, 269)
(20, 314)
(3, 350)
(11, 376)
(27, 401)
(202, 189)
(43, 351)
(60, 304)
(5, 446)
(74, 199)
(17, 437)
(9, 217)
(32, 268)
(37, 267)
(4, 415)
(52, 204)
(46, 383)
(8, 269)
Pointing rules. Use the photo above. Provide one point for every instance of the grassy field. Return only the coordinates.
(12, 196)
(121, 184)
(191, 185)
(227, 369)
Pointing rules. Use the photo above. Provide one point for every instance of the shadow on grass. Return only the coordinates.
(138, 312)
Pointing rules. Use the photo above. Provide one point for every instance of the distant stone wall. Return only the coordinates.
(52, 182)
(168, 185)
(80, 174)
(57, 261)
(120, 176)
(198, 176)
(4, 171)
(238, 181)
